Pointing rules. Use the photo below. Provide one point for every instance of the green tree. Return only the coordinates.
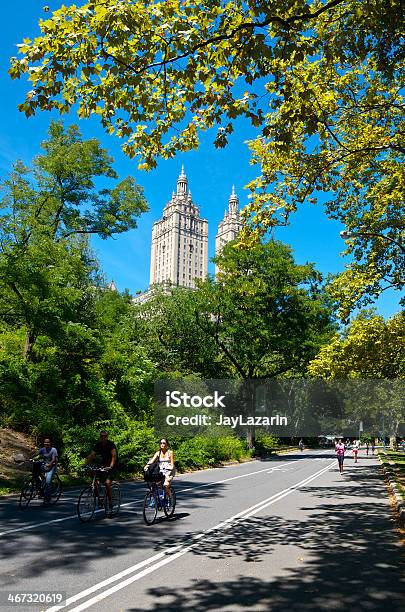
(321, 81)
(58, 198)
(370, 356)
(267, 315)
(47, 214)
(167, 327)
(125, 359)
(49, 342)
(370, 347)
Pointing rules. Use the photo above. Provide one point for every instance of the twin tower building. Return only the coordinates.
(180, 238)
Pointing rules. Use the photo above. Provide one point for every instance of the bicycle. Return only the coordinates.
(96, 495)
(157, 499)
(35, 485)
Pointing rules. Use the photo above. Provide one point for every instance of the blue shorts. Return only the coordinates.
(340, 459)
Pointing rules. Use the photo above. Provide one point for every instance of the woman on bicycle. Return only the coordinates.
(164, 456)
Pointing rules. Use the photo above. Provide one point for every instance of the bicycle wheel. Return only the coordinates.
(86, 505)
(169, 504)
(149, 508)
(116, 500)
(56, 489)
(27, 493)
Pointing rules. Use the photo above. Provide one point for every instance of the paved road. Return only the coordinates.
(282, 535)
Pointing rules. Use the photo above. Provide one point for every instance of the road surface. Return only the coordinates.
(286, 534)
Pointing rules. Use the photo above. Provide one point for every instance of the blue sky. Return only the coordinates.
(211, 173)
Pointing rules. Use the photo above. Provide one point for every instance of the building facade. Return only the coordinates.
(179, 251)
(230, 226)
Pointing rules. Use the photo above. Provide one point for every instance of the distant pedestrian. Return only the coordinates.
(372, 447)
(367, 447)
(355, 450)
(340, 454)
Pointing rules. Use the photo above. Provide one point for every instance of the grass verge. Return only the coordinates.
(394, 462)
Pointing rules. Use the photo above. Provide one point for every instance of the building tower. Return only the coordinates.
(179, 241)
(230, 226)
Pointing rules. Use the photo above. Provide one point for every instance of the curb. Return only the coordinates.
(400, 503)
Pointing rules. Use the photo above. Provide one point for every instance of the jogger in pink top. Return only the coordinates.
(340, 453)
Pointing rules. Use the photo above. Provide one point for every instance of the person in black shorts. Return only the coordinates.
(107, 450)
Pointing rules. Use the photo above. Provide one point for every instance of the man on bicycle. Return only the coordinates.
(49, 457)
(107, 450)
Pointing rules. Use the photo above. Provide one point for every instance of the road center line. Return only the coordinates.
(171, 554)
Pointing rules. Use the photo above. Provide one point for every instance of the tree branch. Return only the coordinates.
(218, 342)
(286, 23)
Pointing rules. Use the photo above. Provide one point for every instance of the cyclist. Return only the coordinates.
(164, 456)
(107, 450)
(49, 457)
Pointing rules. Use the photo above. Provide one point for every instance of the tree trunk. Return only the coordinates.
(393, 442)
(29, 342)
(250, 437)
(251, 432)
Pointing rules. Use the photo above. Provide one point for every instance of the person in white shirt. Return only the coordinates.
(49, 456)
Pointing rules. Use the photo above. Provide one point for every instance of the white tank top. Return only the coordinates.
(164, 463)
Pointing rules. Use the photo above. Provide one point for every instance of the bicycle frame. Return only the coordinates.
(96, 485)
(97, 492)
(34, 486)
(156, 500)
(154, 488)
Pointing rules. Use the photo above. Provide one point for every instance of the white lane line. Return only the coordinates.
(74, 516)
(279, 469)
(170, 554)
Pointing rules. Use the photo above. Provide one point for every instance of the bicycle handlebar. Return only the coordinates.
(92, 468)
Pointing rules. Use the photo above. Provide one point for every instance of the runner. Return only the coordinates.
(355, 450)
(340, 453)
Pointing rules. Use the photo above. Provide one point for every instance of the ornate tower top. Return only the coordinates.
(182, 183)
(233, 203)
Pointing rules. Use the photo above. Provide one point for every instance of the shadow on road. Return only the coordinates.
(76, 544)
(348, 556)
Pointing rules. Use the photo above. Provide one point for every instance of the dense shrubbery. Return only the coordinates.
(202, 451)
(265, 443)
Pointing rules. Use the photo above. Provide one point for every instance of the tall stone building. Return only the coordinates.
(230, 226)
(179, 241)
